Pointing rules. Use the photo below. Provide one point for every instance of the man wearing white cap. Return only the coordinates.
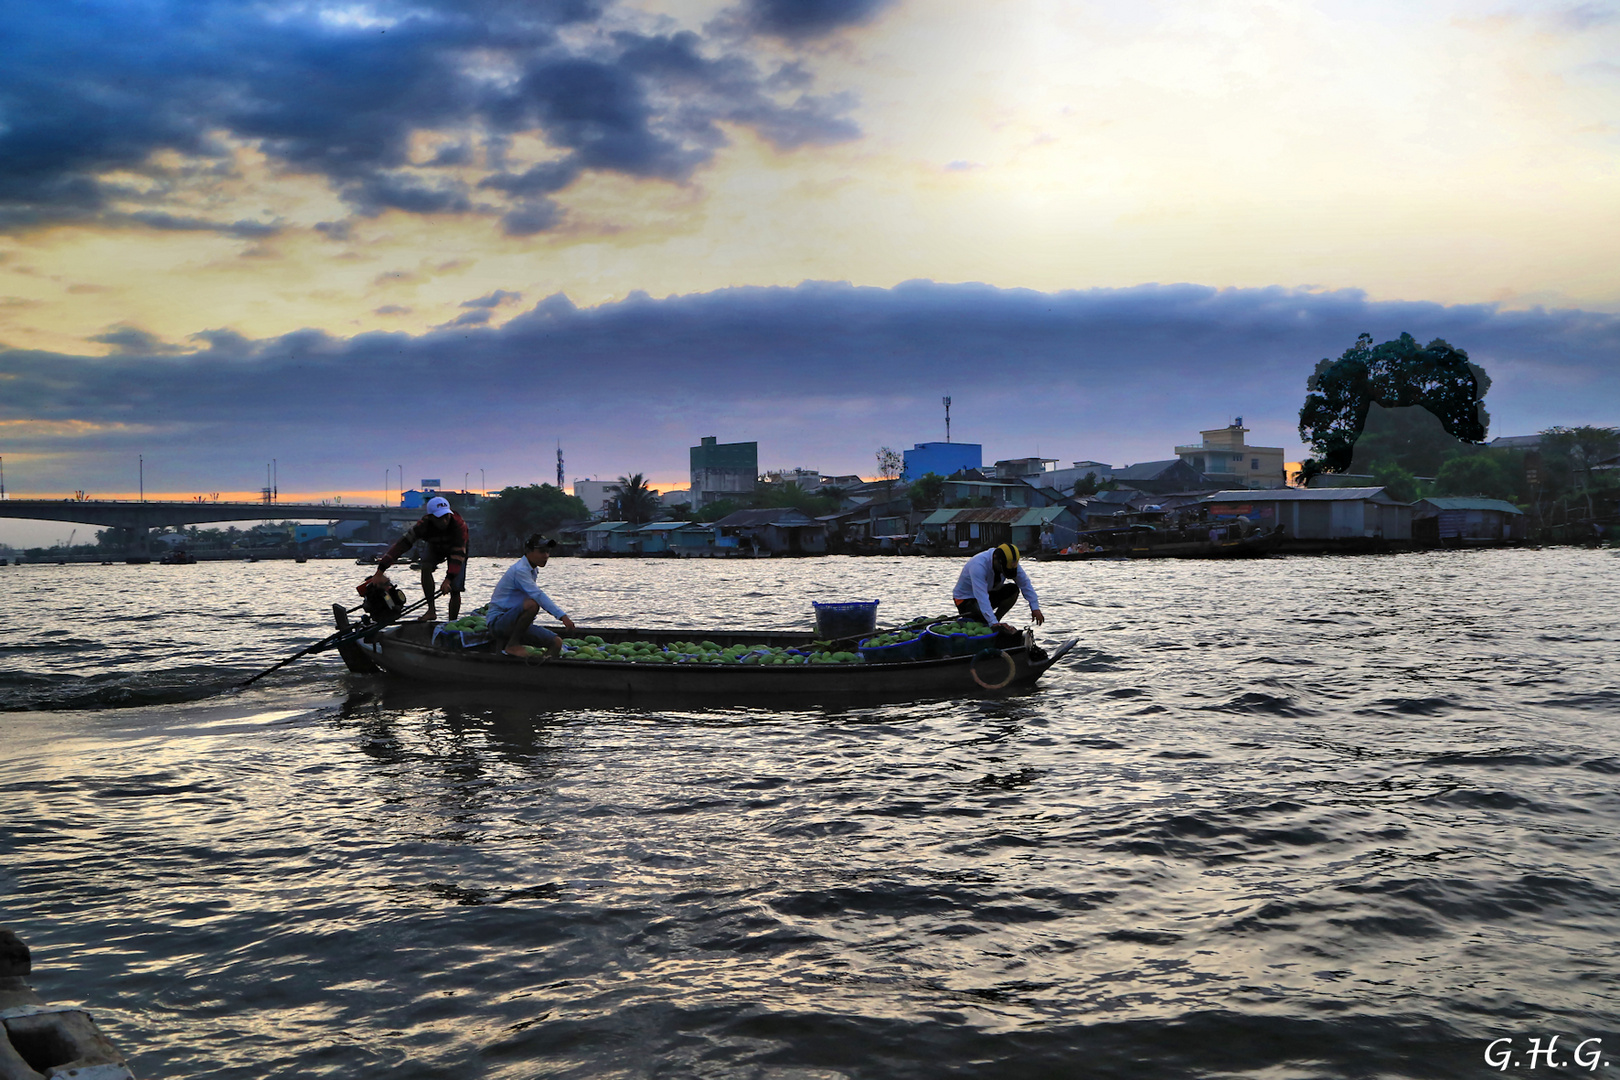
(445, 534)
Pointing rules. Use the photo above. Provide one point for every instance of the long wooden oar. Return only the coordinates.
(332, 641)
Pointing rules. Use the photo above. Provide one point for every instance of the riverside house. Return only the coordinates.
(1337, 515)
(1466, 521)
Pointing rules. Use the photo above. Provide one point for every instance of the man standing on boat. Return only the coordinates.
(518, 599)
(990, 583)
(445, 534)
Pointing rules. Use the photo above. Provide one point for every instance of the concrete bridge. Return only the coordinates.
(152, 514)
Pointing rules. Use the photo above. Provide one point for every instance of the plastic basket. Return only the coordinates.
(845, 619)
(898, 653)
(957, 644)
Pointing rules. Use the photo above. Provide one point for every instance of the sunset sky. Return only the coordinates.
(450, 236)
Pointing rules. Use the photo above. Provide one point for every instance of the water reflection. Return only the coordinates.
(1238, 836)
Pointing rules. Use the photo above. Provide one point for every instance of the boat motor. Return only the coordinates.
(383, 600)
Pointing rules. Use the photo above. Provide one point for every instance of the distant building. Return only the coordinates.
(1164, 477)
(722, 470)
(1064, 479)
(781, 531)
(678, 497)
(1030, 528)
(1024, 468)
(1358, 513)
(941, 458)
(1225, 457)
(1515, 442)
(595, 495)
(807, 479)
(1450, 520)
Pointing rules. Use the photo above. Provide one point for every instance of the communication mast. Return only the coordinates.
(559, 468)
(947, 402)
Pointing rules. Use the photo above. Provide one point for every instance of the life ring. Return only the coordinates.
(990, 654)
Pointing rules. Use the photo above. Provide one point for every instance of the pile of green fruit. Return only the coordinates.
(472, 624)
(893, 637)
(592, 647)
(971, 629)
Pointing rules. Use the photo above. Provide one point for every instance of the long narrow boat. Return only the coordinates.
(409, 651)
(1149, 542)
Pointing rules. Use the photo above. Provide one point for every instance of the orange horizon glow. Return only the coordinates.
(331, 498)
(370, 499)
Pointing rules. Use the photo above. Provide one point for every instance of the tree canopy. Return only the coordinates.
(518, 511)
(927, 491)
(633, 501)
(1397, 374)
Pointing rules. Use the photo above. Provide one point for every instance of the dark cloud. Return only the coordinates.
(133, 341)
(493, 300)
(531, 216)
(101, 85)
(820, 375)
(798, 20)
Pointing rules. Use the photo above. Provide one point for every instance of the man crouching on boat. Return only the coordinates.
(989, 587)
(518, 599)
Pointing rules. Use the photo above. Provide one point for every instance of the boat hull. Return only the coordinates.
(407, 651)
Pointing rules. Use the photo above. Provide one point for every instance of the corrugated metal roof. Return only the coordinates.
(782, 517)
(669, 526)
(1299, 495)
(1462, 502)
(1146, 470)
(1005, 515)
(1039, 515)
(608, 526)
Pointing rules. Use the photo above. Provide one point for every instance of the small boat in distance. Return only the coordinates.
(178, 557)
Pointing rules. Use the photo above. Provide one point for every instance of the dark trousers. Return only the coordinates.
(1002, 598)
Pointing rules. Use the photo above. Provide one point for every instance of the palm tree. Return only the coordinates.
(633, 501)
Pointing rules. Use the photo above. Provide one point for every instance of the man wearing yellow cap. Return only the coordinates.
(991, 582)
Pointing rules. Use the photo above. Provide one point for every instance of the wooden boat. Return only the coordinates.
(1153, 542)
(408, 651)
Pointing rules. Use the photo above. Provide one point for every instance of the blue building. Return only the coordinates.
(944, 458)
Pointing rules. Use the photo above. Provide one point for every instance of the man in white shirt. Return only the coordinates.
(989, 586)
(518, 599)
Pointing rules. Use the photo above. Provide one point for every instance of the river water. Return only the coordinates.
(1307, 817)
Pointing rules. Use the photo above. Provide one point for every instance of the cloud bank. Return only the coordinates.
(820, 375)
(117, 113)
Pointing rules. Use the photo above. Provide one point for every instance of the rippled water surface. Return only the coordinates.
(1337, 817)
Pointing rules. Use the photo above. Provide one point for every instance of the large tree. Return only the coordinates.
(1397, 374)
(518, 511)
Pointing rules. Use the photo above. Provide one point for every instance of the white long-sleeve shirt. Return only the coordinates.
(517, 584)
(979, 577)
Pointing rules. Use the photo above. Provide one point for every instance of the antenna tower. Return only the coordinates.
(560, 486)
(947, 402)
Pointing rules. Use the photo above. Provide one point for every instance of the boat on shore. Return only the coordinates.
(413, 650)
